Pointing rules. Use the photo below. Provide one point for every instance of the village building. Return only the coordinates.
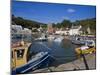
(50, 29)
(62, 32)
(88, 30)
(75, 30)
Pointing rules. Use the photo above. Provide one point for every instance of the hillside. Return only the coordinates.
(25, 22)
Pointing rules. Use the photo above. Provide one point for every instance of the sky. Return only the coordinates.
(52, 12)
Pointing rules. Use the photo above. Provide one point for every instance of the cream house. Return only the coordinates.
(64, 32)
(75, 30)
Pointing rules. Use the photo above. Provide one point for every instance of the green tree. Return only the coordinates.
(66, 23)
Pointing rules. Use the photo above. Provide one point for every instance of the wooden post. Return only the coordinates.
(84, 60)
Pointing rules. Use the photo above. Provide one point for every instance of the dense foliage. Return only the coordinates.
(25, 22)
(91, 23)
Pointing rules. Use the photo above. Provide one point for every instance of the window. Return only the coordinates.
(12, 54)
(20, 53)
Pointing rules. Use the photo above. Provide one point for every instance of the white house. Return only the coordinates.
(62, 32)
(75, 30)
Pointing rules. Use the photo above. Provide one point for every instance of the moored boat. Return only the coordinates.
(51, 37)
(90, 43)
(23, 62)
(78, 41)
(83, 41)
(59, 39)
(42, 38)
(85, 50)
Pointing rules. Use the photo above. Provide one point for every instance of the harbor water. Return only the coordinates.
(60, 48)
(62, 51)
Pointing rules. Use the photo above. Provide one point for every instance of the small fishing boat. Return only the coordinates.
(85, 50)
(23, 61)
(90, 43)
(42, 38)
(51, 37)
(78, 41)
(59, 39)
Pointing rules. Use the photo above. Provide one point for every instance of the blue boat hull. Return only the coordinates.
(44, 61)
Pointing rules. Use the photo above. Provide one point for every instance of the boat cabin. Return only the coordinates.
(19, 55)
